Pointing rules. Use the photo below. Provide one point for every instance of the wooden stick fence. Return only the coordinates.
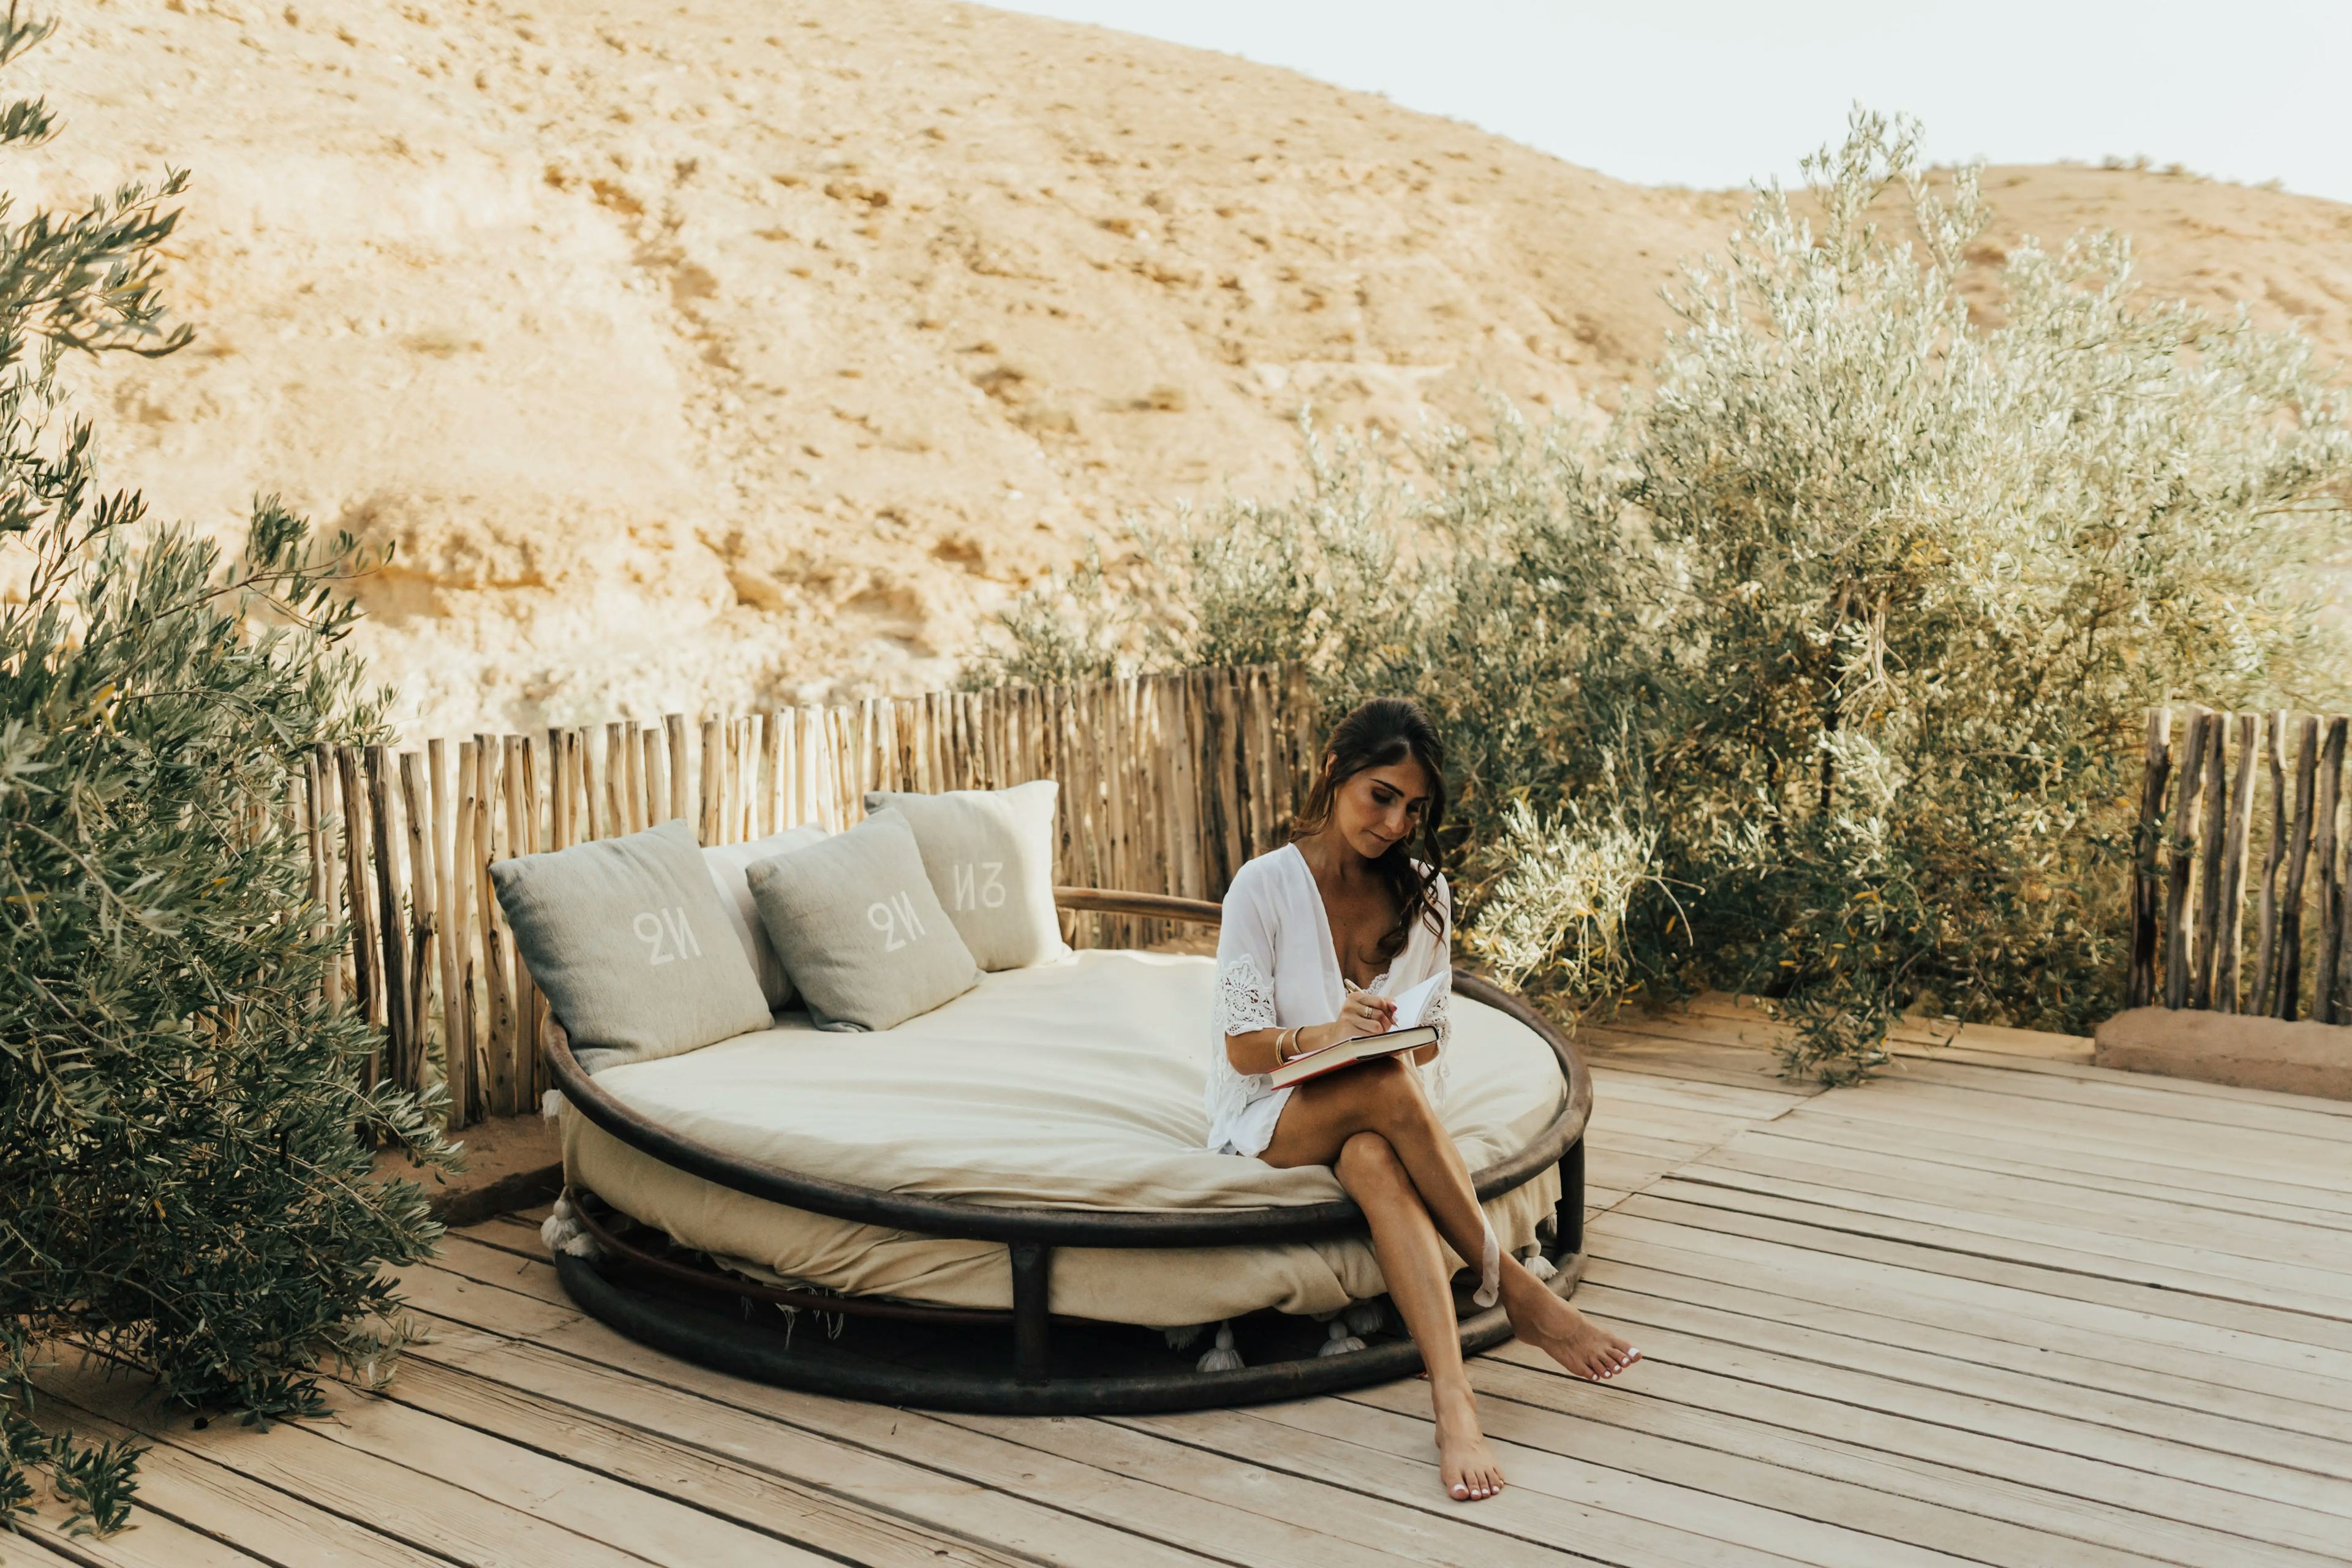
(2221, 789)
(1169, 782)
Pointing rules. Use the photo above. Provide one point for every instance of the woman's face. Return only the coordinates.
(1379, 809)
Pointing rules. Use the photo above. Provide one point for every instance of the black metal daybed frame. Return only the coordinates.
(653, 1313)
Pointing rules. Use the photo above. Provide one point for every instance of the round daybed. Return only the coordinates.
(1026, 1159)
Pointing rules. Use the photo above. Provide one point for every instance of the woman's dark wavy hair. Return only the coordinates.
(1386, 731)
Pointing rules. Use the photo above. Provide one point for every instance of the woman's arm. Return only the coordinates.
(1255, 1051)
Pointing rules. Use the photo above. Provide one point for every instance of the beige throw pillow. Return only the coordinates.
(727, 864)
(855, 920)
(629, 941)
(990, 854)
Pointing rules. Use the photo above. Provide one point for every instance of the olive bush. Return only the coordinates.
(1835, 640)
(185, 1182)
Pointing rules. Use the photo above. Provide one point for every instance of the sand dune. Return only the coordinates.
(724, 353)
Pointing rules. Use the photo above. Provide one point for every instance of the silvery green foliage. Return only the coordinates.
(185, 1184)
(1057, 631)
(1856, 609)
(1553, 919)
(1317, 577)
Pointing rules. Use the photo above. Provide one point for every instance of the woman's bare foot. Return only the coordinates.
(1560, 1331)
(1464, 1461)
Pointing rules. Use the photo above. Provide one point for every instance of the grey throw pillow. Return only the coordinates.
(855, 920)
(629, 941)
(990, 854)
(728, 862)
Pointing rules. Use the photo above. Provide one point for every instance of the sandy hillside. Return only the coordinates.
(735, 352)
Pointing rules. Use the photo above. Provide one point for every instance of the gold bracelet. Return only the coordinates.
(1282, 1044)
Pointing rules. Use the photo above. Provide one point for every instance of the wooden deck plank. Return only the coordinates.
(2220, 1278)
(1711, 1503)
(1932, 1505)
(1080, 1515)
(2320, 1162)
(2035, 1300)
(26, 1550)
(152, 1540)
(1998, 1305)
(2137, 1226)
(434, 1515)
(1350, 1526)
(2083, 1071)
(2183, 1411)
(2158, 1362)
(567, 1410)
(188, 1506)
(2164, 1100)
(2191, 1163)
(1927, 1151)
(1594, 1514)
(2140, 1474)
(1991, 1518)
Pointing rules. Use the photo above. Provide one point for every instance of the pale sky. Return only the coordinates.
(1719, 93)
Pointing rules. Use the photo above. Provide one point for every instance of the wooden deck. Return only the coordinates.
(2000, 1307)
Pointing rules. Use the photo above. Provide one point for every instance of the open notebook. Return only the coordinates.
(1409, 1034)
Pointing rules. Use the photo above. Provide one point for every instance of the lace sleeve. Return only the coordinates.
(1244, 996)
(1246, 942)
(1439, 1016)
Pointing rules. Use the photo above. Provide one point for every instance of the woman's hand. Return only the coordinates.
(1364, 1012)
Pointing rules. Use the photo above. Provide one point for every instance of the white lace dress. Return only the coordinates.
(1278, 966)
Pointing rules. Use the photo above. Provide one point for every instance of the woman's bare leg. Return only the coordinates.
(1413, 1263)
(1385, 1096)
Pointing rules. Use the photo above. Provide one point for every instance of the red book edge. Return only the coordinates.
(1349, 1058)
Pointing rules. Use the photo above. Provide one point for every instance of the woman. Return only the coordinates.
(1317, 936)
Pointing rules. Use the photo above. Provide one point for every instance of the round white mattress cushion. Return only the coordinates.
(1075, 1083)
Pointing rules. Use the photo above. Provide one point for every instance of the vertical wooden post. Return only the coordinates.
(2146, 863)
(593, 785)
(367, 996)
(630, 776)
(558, 794)
(681, 798)
(771, 774)
(1232, 806)
(2289, 969)
(499, 1039)
(2226, 990)
(449, 927)
(465, 904)
(712, 806)
(1177, 698)
(424, 925)
(1305, 737)
(2266, 940)
(2209, 879)
(2183, 842)
(2323, 852)
(392, 934)
(325, 897)
(517, 798)
(661, 792)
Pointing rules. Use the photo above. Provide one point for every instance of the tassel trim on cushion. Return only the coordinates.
(563, 1232)
(1222, 1356)
(1340, 1341)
